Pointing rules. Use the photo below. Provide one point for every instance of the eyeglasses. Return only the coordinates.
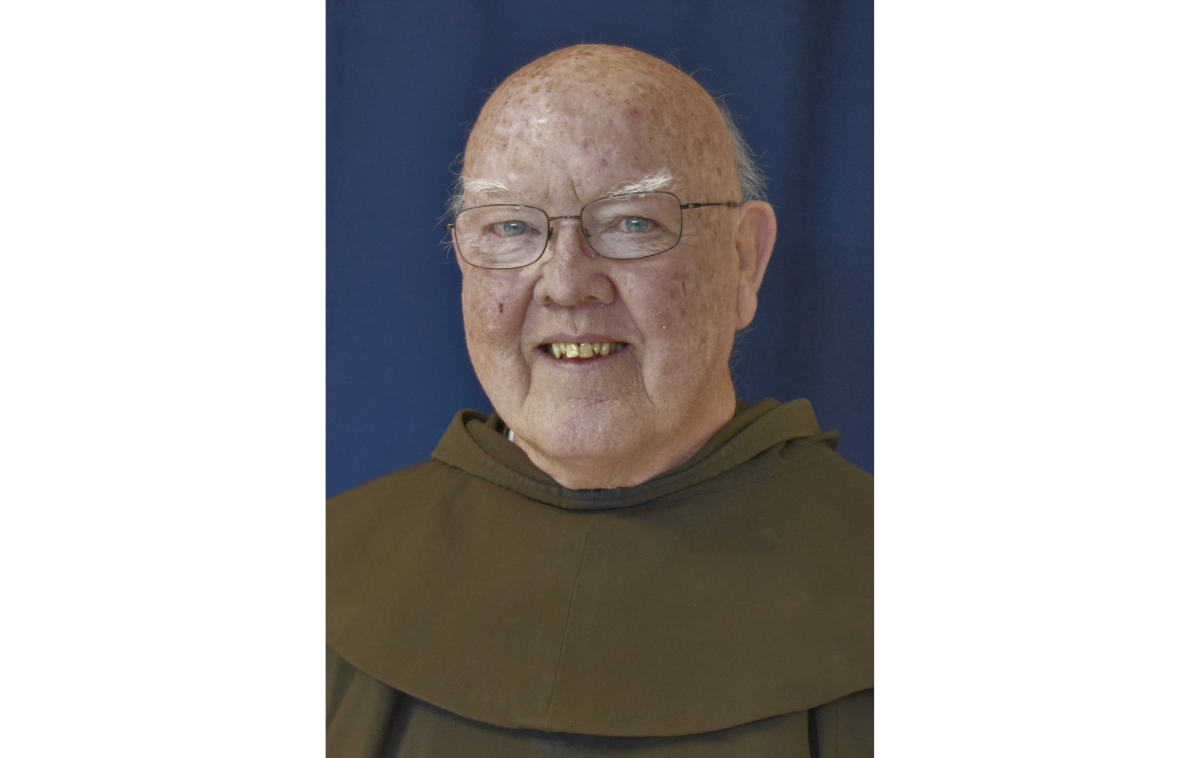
(622, 227)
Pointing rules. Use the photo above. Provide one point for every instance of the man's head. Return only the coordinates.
(577, 125)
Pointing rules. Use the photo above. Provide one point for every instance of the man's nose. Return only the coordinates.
(572, 273)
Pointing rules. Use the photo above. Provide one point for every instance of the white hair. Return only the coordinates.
(663, 180)
(484, 187)
(751, 179)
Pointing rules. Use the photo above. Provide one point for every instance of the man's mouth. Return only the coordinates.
(577, 350)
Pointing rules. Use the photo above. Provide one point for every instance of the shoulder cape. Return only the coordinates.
(733, 588)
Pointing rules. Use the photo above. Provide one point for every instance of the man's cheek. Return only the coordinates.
(487, 330)
(675, 306)
(489, 313)
(672, 299)
(692, 304)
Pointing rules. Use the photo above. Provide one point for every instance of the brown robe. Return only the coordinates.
(723, 608)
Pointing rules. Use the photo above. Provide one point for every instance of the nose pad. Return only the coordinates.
(550, 234)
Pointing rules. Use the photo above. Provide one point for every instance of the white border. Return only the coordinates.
(162, 292)
(1036, 378)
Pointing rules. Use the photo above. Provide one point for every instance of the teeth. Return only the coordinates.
(584, 349)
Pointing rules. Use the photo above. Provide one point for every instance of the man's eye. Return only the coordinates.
(635, 224)
(510, 228)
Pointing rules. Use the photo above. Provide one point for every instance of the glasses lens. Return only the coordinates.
(501, 236)
(633, 226)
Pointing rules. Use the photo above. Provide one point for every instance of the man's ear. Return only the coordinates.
(755, 241)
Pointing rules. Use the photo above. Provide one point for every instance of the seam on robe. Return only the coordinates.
(567, 626)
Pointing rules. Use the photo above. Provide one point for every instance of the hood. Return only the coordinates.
(733, 588)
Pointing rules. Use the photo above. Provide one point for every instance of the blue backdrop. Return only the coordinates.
(407, 78)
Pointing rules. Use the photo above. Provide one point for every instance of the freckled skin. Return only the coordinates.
(562, 132)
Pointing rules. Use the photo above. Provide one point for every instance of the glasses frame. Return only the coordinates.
(452, 227)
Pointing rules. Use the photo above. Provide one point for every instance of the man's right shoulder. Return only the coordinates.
(422, 482)
(379, 514)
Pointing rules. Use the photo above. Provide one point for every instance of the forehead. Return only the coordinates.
(601, 117)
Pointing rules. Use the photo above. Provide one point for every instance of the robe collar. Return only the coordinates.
(477, 444)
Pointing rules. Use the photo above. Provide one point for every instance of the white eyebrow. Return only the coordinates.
(650, 183)
(664, 179)
(485, 187)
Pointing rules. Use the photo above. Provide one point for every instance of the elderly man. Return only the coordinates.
(623, 559)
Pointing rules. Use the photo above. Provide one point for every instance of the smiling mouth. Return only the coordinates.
(578, 350)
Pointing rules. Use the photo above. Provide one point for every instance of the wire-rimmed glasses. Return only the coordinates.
(623, 227)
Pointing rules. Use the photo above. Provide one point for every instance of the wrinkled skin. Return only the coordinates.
(569, 128)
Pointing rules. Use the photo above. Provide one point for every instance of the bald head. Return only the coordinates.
(608, 101)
